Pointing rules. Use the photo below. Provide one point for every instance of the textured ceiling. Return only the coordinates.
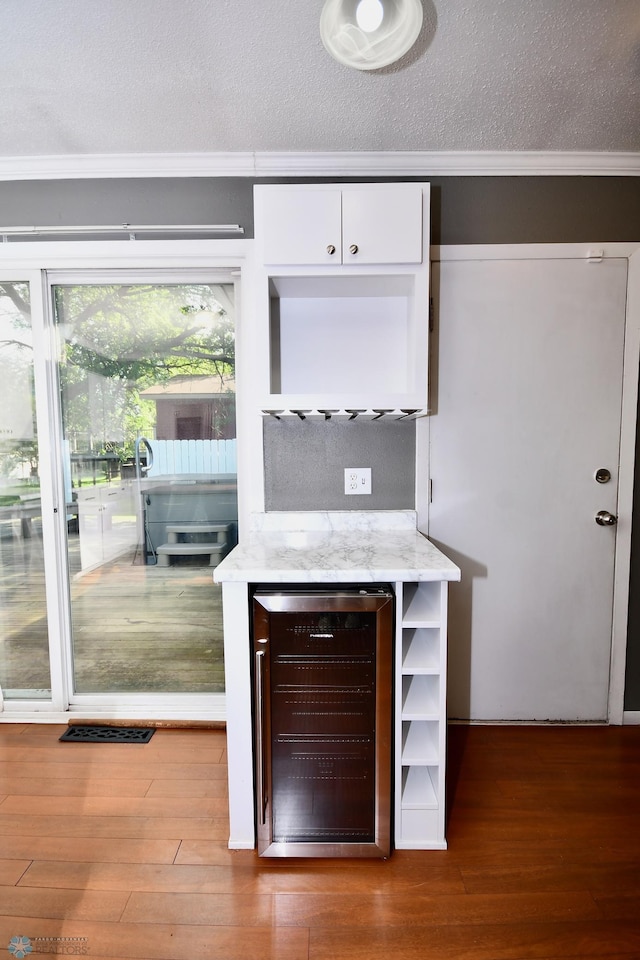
(174, 76)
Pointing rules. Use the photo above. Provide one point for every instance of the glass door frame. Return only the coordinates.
(43, 265)
(57, 618)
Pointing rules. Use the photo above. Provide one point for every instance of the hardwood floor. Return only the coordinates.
(124, 847)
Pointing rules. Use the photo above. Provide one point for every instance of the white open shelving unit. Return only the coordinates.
(420, 715)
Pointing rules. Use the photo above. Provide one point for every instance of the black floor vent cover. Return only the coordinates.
(81, 734)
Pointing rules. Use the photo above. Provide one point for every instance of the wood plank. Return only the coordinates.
(214, 807)
(234, 909)
(23, 787)
(162, 878)
(76, 769)
(141, 941)
(402, 873)
(92, 850)
(133, 828)
(181, 788)
(624, 905)
(64, 904)
(517, 941)
(141, 753)
(150, 619)
(419, 909)
(11, 871)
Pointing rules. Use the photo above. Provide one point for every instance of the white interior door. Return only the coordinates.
(527, 383)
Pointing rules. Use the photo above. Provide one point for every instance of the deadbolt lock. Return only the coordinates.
(603, 475)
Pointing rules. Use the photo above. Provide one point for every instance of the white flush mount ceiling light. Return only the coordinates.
(368, 34)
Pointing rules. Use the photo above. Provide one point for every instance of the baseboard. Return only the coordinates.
(630, 717)
(156, 724)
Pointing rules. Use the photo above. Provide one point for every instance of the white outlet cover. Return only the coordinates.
(357, 481)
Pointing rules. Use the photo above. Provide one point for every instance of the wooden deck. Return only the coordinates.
(124, 847)
(135, 627)
(148, 628)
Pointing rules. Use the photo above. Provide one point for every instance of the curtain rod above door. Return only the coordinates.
(133, 230)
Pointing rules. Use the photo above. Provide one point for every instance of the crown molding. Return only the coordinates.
(443, 164)
(110, 166)
(321, 164)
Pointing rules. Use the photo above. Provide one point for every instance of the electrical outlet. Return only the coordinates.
(357, 480)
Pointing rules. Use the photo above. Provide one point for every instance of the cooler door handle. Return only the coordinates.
(260, 764)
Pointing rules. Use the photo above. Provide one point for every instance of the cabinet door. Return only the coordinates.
(299, 226)
(384, 225)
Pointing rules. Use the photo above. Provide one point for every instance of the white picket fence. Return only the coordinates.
(210, 457)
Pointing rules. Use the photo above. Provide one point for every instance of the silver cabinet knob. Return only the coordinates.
(331, 249)
(353, 248)
(605, 519)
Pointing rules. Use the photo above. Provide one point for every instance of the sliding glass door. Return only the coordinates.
(24, 638)
(146, 375)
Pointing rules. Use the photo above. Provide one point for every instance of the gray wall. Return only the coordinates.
(105, 202)
(305, 463)
(464, 210)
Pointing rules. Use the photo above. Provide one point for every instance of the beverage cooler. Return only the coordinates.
(322, 680)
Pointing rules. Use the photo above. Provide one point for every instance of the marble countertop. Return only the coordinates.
(335, 547)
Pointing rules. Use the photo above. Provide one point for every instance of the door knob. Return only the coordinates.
(605, 519)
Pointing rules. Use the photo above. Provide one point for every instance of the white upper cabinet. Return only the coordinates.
(351, 224)
(341, 290)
